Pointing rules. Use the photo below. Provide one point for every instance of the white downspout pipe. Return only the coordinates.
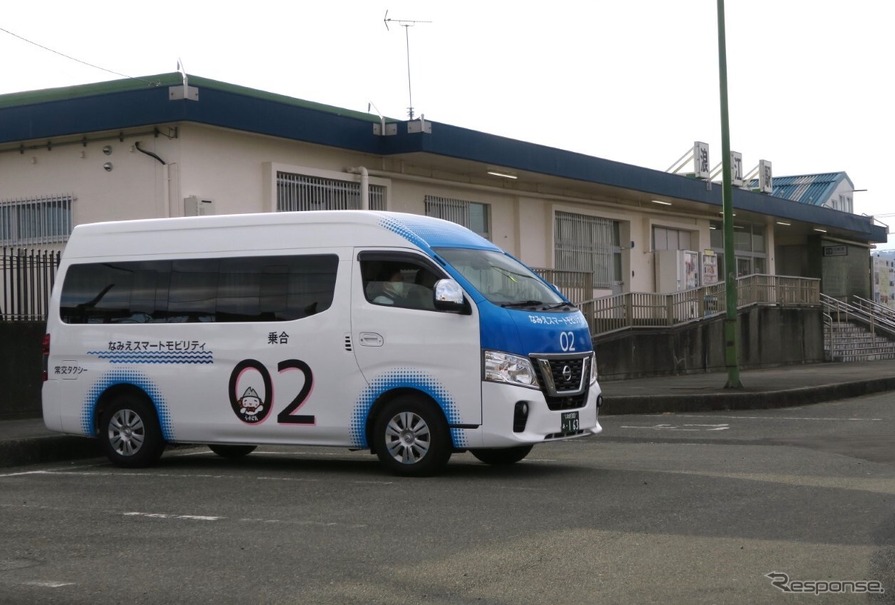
(364, 186)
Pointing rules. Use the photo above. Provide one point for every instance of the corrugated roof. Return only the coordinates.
(814, 189)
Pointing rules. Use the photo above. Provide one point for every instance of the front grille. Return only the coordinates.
(565, 379)
(552, 436)
(556, 404)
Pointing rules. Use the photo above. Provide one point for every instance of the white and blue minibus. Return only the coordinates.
(408, 336)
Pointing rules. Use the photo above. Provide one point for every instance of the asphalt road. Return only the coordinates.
(674, 508)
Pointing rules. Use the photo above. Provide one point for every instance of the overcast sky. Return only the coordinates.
(634, 81)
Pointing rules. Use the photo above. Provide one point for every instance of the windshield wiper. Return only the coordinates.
(523, 303)
(559, 305)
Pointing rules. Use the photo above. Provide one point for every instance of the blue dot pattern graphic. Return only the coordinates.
(404, 378)
(131, 377)
(427, 233)
(403, 231)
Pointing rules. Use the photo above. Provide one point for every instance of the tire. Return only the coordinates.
(502, 456)
(232, 452)
(129, 432)
(411, 437)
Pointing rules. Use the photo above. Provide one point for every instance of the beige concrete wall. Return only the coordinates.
(237, 170)
(131, 189)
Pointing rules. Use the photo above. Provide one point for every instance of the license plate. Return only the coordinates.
(569, 422)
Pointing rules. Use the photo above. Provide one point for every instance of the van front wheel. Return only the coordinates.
(129, 432)
(411, 437)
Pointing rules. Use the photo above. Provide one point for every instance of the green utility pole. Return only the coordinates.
(731, 347)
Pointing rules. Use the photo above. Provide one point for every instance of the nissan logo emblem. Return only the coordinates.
(566, 373)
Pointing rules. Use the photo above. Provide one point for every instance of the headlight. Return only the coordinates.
(593, 367)
(511, 369)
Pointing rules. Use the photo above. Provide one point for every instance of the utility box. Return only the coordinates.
(196, 206)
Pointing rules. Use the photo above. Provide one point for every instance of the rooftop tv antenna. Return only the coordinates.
(406, 24)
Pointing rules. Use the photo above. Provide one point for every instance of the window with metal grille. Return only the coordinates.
(38, 220)
(298, 192)
(475, 216)
(588, 243)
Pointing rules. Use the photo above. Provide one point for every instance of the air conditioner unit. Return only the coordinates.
(196, 206)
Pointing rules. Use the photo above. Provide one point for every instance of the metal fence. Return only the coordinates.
(26, 280)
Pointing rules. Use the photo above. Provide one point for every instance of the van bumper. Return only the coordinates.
(52, 411)
(501, 404)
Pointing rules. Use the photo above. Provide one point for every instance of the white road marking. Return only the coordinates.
(681, 427)
(82, 473)
(48, 584)
(24, 473)
(821, 419)
(169, 516)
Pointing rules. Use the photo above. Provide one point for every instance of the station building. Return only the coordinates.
(174, 145)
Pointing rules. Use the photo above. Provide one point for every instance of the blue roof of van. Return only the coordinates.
(39, 117)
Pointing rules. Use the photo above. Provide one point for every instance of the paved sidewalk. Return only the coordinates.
(28, 441)
(766, 388)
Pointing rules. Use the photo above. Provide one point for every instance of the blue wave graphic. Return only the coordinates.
(202, 357)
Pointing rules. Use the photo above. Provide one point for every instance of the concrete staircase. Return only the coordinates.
(847, 341)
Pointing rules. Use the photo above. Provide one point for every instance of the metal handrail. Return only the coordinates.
(882, 312)
(649, 310)
(846, 312)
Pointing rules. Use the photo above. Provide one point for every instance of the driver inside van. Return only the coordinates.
(393, 288)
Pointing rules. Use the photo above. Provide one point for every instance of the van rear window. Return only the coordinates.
(236, 289)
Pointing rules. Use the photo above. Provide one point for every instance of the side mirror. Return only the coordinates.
(448, 296)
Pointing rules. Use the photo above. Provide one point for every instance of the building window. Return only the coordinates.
(748, 244)
(40, 220)
(299, 192)
(844, 203)
(589, 243)
(672, 239)
(475, 216)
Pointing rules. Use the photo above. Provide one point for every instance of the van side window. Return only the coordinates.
(237, 289)
(399, 284)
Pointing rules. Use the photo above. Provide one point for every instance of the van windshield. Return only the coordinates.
(501, 279)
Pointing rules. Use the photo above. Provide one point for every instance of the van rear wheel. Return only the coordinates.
(502, 456)
(411, 437)
(129, 432)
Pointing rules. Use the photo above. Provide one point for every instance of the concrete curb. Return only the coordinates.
(52, 448)
(742, 400)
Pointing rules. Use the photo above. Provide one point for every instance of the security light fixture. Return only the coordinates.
(503, 175)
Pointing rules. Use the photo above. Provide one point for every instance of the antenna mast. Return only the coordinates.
(406, 24)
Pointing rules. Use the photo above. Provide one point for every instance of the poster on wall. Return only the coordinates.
(709, 267)
(691, 269)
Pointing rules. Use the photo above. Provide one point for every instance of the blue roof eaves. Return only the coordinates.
(860, 227)
(118, 106)
(78, 115)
